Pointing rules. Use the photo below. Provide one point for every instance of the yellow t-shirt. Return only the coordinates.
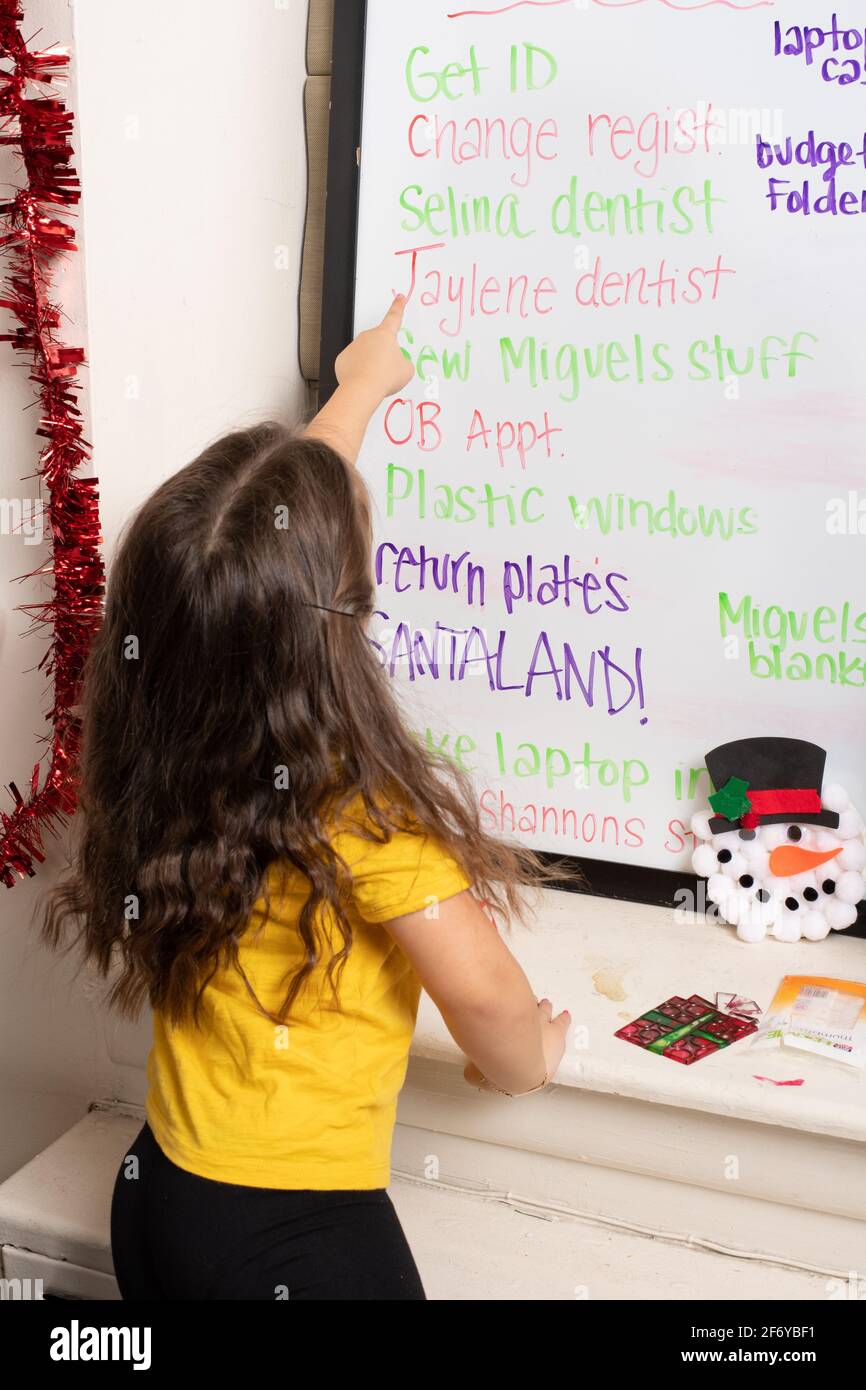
(311, 1105)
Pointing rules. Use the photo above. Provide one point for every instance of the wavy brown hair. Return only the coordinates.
(233, 707)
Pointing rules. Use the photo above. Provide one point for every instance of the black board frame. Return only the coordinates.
(600, 877)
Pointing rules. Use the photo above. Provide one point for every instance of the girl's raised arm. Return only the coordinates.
(371, 368)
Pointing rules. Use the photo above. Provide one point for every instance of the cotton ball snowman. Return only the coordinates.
(779, 856)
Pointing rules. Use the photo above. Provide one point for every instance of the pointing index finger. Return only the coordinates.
(394, 317)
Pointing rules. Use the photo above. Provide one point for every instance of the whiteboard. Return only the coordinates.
(621, 510)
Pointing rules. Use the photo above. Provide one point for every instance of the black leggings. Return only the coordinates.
(178, 1236)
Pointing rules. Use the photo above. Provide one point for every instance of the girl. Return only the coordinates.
(275, 865)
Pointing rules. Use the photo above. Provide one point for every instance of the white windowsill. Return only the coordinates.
(581, 951)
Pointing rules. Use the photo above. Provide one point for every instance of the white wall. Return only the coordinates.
(194, 170)
(191, 154)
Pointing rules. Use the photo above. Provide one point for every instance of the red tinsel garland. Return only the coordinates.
(40, 127)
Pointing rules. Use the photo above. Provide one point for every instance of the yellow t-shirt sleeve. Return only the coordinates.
(405, 875)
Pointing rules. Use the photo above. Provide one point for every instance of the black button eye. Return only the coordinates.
(747, 834)
(829, 885)
(725, 856)
(791, 904)
(810, 894)
(794, 832)
(746, 881)
(762, 895)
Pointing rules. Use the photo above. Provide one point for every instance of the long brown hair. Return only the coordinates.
(234, 646)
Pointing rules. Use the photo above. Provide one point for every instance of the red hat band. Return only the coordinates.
(789, 801)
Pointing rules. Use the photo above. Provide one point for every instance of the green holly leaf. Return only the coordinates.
(731, 801)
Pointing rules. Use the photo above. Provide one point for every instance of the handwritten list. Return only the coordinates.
(622, 506)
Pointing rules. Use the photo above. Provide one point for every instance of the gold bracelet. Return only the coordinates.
(515, 1095)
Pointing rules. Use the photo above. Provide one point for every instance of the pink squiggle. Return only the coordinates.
(614, 5)
(799, 1082)
(518, 4)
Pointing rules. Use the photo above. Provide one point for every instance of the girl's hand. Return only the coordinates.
(375, 360)
(553, 1035)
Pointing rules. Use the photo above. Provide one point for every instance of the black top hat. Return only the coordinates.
(767, 781)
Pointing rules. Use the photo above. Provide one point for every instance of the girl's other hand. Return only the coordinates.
(375, 360)
(553, 1036)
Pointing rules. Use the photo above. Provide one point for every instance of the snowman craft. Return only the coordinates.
(778, 855)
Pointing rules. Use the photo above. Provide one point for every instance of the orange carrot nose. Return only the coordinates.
(788, 860)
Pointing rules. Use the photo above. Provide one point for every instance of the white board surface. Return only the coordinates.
(694, 519)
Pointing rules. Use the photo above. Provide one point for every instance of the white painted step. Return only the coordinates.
(469, 1248)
